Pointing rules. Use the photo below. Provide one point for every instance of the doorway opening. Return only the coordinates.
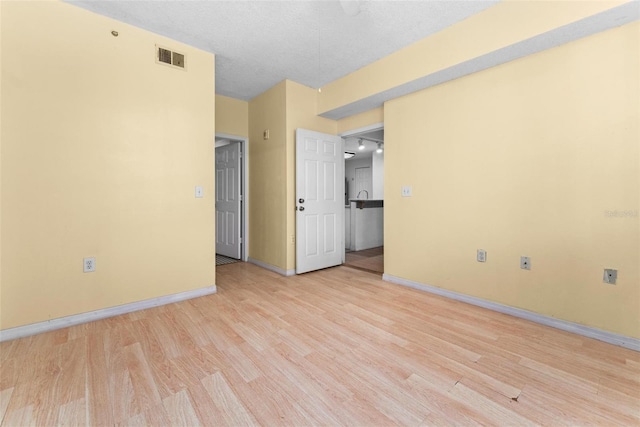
(364, 198)
(231, 196)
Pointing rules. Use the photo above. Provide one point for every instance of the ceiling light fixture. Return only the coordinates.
(349, 154)
(379, 149)
(360, 144)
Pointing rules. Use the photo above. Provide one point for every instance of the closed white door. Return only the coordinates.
(228, 200)
(319, 200)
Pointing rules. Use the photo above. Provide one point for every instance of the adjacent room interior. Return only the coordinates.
(502, 279)
(230, 190)
(364, 200)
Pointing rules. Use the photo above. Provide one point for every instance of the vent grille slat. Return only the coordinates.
(178, 59)
(166, 56)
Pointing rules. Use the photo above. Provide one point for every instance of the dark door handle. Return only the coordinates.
(301, 208)
(301, 200)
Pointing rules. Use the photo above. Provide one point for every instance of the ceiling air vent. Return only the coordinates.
(177, 59)
(165, 56)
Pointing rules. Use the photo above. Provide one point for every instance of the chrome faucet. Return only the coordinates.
(358, 196)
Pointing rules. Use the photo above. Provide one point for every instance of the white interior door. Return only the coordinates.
(319, 200)
(228, 200)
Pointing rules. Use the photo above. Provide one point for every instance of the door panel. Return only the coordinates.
(319, 210)
(330, 181)
(228, 200)
(330, 233)
(311, 231)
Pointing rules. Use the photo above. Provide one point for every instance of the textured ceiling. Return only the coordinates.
(260, 43)
(618, 15)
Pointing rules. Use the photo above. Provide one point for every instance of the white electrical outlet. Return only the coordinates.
(482, 255)
(407, 191)
(525, 263)
(199, 192)
(88, 265)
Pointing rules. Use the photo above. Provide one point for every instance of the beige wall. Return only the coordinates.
(97, 161)
(361, 120)
(282, 109)
(528, 158)
(232, 116)
(525, 159)
(302, 104)
(501, 25)
(268, 178)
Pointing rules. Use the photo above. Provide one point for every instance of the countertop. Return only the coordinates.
(367, 203)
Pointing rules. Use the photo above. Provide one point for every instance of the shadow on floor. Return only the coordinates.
(371, 260)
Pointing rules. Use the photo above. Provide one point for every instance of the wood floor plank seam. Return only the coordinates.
(334, 347)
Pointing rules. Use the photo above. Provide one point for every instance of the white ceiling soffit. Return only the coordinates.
(611, 18)
(259, 43)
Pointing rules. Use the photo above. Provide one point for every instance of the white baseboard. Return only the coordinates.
(587, 331)
(271, 267)
(77, 319)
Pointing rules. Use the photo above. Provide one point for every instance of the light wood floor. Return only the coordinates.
(335, 347)
(371, 260)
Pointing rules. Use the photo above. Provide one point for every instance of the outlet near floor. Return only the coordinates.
(610, 276)
(89, 264)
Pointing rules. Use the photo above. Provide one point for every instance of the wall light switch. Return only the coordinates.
(407, 191)
(525, 263)
(199, 192)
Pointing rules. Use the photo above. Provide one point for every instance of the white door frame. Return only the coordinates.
(345, 135)
(244, 176)
(370, 128)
